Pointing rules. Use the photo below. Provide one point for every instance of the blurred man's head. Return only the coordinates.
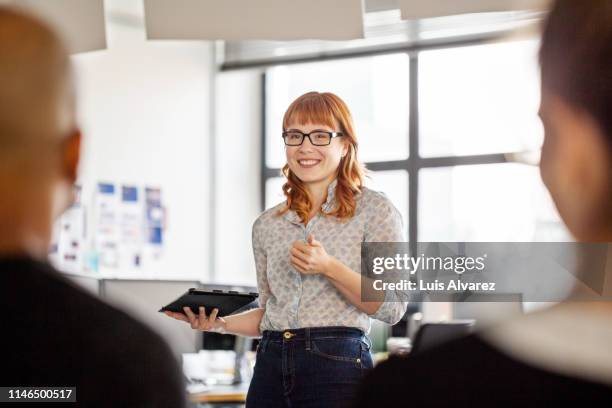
(576, 165)
(39, 141)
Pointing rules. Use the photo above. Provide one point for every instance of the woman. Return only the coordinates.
(560, 356)
(314, 347)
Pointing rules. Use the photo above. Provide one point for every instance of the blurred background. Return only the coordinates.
(183, 135)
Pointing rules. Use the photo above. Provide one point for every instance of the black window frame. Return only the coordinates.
(415, 162)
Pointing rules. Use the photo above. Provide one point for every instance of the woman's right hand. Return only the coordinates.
(200, 321)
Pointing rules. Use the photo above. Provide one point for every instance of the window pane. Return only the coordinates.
(395, 186)
(274, 191)
(494, 202)
(479, 99)
(374, 88)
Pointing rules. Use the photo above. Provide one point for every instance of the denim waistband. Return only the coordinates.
(308, 333)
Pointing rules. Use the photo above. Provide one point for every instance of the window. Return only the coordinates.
(472, 106)
(489, 202)
(375, 89)
(394, 184)
(274, 191)
(479, 99)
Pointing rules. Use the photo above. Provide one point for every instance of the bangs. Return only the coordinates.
(325, 109)
(312, 109)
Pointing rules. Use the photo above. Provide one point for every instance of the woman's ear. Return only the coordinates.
(345, 149)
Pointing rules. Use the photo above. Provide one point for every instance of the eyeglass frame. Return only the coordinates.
(307, 135)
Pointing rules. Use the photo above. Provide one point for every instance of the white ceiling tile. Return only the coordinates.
(249, 19)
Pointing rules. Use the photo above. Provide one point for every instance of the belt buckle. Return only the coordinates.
(287, 335)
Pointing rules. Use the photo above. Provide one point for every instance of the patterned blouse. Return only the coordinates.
(292, 300)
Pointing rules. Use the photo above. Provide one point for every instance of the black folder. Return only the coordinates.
(227, 302)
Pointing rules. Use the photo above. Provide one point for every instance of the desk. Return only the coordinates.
(232, 395)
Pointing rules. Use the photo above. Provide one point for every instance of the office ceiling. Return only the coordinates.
(87, 24)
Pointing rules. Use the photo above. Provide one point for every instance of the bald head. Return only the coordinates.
(39, 141)
(36, 103)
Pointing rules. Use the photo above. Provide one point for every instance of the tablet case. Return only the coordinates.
(227, 302)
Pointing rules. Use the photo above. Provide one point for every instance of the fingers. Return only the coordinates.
(312, 241)
(208, 323)
(306, 247)
(202, 319)
(198, 322)
(192, 317)
(301, 246)
(213, 316)
(177, 316)
(299, 269)
(315, 243)
(299, 264)
(300, 255)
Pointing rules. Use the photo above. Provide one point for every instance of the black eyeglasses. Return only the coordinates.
(316, 137)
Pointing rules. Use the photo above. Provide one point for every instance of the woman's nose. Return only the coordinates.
(306, 145)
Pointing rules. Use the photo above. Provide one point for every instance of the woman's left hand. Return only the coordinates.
(309, 258)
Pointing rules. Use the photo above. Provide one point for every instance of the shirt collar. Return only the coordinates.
(292, 216)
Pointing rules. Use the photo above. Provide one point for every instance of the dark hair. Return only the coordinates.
(576, 57)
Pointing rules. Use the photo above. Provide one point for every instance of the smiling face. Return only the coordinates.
(315, 164)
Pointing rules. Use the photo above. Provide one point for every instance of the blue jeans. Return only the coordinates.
(311, 367)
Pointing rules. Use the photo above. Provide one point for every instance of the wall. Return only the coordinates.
(237, 174)
(144, 109)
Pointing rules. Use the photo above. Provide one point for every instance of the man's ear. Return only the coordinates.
(72, 156)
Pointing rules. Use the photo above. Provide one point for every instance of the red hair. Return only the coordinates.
(326, 109)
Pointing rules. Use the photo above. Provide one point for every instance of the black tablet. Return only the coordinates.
(227, 302)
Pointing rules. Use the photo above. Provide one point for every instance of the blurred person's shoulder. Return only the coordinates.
(427, 377)
(61, 334)
(476, 371)
(571, 338)
(37, 287)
